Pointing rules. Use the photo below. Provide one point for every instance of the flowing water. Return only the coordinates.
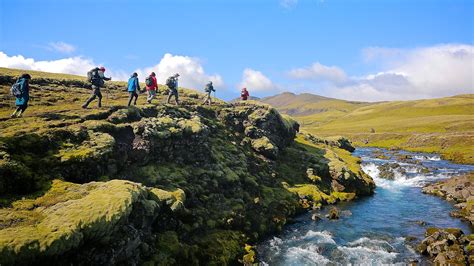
(373, 230)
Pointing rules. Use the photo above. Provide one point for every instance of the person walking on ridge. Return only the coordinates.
(244, 94)
(97, 78)
(21, 90)
(208, 89)
(133, 87)
(172, 83)
(151, 86)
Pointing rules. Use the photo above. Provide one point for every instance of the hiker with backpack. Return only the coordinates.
(133, 87)
(172, 83)
(244, 94)
(208, 89)
(97, 78)
(21, 90)
(151, 86)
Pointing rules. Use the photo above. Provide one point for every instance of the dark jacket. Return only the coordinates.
(25, 92)
(209, 88)
(98, 78)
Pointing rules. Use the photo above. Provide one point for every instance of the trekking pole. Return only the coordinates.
(106, 97)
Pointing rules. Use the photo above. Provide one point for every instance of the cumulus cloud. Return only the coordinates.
(72, 65)
(61, 47)
(288, 3)
(426, 72)
(318, 71)
(256, 81)
(191, 71)
(192, 74)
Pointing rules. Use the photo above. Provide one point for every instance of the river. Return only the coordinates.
(372, 230)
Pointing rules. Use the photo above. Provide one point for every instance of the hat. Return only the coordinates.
(25, 76)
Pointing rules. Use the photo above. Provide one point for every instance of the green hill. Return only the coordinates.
(155, 184)
(314, 108)
(444, 125)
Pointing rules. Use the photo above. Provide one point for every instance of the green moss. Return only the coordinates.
(97, 145)
(65, 217)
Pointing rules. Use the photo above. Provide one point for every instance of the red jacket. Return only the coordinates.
(244, 95)
(154, 86)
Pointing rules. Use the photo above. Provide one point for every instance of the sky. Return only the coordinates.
(363, 50)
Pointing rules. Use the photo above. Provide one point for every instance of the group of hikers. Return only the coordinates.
(21, 89)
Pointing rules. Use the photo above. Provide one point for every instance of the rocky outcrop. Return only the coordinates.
(389, 170)
(458, 190)
(103, 222)
(263, 127)
(339, 142)
(447, 246)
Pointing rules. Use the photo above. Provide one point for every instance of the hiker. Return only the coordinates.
(133, 87)
(244, 94)
(208, 89)
(172, 83)
(151, 86)
(96, 77)
(21, 90)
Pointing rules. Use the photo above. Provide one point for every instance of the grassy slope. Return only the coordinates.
(236, 197)
(444, 125)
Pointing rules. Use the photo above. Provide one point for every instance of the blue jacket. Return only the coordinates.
(133, 84)
(25, 93)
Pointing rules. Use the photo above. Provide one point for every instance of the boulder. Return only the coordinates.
(444, 246)
(103, 222)
(333, 213)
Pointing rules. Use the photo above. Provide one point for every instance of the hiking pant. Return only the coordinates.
(151, 95)
(207, 99)
(176, 96)
(133, 94)
(95, 93)
(21, 108)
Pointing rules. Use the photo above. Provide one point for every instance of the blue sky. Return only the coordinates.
(346, 49)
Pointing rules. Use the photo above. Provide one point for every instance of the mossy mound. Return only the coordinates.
(70, 215)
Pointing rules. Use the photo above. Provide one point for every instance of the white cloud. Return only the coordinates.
(192, 74)
(426, 72)
(288, 3)
(191, 71)
(256, 81)
(72, 65)
(318, 71)
(61, 47)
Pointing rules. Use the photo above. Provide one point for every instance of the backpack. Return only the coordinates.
(170, 83)
(93, 74)
(208, 88)
(15, 90)
(149, 81)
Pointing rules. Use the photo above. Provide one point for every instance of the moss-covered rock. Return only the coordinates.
(70, 216)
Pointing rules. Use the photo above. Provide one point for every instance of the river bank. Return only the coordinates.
(380, 229)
